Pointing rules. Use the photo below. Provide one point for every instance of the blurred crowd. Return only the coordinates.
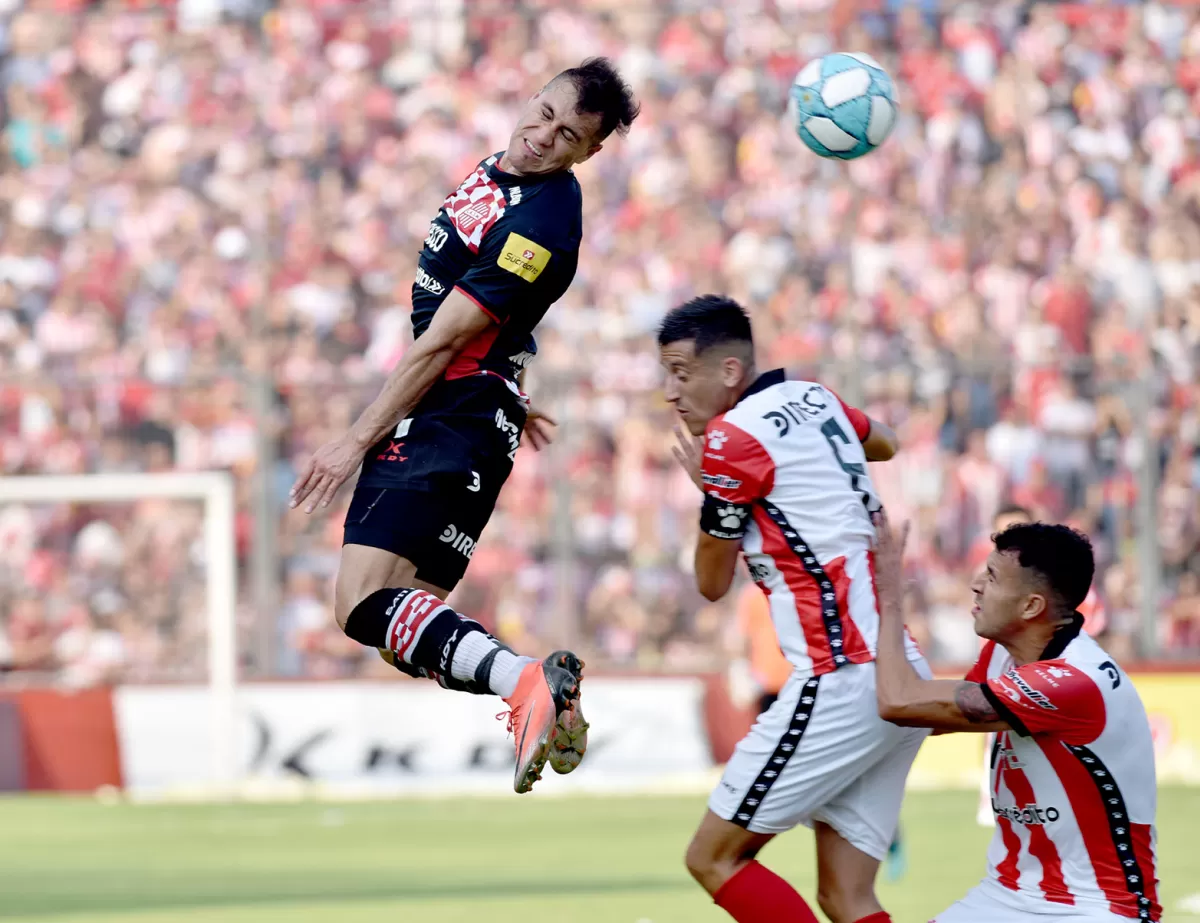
(211, 215)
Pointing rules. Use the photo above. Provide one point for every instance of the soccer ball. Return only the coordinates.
(844, 105)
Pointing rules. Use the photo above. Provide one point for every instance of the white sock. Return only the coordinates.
(506, 667)
(506, 671)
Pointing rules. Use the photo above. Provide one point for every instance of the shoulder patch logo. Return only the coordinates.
(522, 257)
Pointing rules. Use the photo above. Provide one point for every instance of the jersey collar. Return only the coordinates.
(525, 179)
(1063, 637)
(764, 381)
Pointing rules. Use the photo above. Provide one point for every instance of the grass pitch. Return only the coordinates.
(511, 860)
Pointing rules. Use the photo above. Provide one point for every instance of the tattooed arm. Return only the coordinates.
(946, 705)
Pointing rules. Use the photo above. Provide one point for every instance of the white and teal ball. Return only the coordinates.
(844, 105)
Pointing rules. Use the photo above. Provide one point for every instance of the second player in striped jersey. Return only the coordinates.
(1072, 768)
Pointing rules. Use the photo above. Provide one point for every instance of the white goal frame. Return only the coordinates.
(215, 490)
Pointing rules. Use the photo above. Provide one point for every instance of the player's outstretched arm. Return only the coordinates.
(904, 697)
(457, 322)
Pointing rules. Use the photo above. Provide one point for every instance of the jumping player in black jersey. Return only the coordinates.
(438, 442)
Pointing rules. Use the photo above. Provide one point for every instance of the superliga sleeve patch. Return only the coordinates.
(522, 257)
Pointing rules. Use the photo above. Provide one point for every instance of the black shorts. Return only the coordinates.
(427, 491)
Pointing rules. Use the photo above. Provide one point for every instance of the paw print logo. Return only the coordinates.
(1058, 672)
(731, 517)
(717, 439)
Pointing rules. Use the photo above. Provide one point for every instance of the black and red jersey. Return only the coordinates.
(511, 245)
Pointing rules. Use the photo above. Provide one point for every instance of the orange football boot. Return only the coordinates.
(543, 693)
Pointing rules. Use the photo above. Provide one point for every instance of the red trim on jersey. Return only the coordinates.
(1007, 871)
(1041, 847)
(1143, 851)
(859, 420)
(479, 304)
(854, 647)
(1093, 825)
(807, 597)
(978, 673)
(804, 590)
(1053, 697)
(736, 467)
(467, 362)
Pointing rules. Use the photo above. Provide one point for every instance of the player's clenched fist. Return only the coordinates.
(327, 470)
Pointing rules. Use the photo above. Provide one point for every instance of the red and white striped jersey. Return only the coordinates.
(784, 471)
(1073, 784)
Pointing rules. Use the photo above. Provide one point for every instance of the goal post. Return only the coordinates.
(216, 491)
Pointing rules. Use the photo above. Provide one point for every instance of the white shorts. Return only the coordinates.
(990, 903)
(822, 753)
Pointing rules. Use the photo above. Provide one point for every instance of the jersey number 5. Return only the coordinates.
(833, 433)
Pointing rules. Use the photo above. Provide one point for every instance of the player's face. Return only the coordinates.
(1005, 598)
(551, 136)
(699, 387)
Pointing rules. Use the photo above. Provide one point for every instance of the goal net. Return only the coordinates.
(215, 492)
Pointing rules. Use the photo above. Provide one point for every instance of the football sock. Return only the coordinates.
(429, 639)
(755, 894)
(880, 917)
(482, 659)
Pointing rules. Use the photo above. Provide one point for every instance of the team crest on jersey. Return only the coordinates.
(717, 440)
(474, 207)
(732, 516)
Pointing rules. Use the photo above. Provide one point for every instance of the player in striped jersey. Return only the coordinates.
(782, 465)
(1073, 781)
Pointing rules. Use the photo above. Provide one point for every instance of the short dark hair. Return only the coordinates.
(602, 91)
(710, 320)
(1058, 554)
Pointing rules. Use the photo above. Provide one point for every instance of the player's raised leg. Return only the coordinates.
(722, 858)
(420, 635)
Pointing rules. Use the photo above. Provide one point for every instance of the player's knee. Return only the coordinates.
(350, 590)
(845, 905)
(707, 865)
(342, 607)
(699, 861)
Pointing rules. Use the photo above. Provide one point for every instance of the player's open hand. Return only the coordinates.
(689, 452)
(538, 427)
(327, 470)
(889, 562)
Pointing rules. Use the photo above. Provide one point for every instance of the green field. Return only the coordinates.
(587, 860)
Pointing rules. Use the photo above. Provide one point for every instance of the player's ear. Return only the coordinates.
(1035, 605)
(733, 370)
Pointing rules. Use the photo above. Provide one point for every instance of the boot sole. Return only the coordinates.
(565, 752)
(566, 698)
